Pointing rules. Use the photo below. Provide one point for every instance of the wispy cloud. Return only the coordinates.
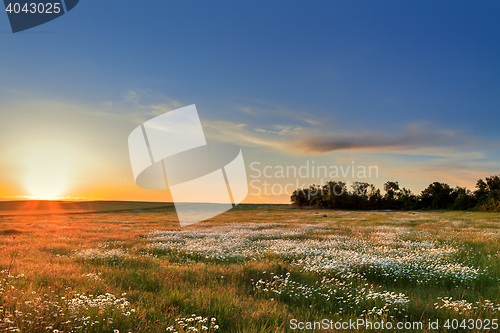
(313, 122)
(263, 110)
(140, 106)
(316, 140)
(413, 137)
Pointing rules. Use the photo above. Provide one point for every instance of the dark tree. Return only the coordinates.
(436, 196)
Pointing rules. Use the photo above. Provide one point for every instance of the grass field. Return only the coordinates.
(128, 267)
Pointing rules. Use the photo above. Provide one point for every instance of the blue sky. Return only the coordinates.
(410, 86)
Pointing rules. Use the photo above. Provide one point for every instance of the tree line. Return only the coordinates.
(364, 196)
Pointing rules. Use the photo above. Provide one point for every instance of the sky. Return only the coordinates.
(409, 87)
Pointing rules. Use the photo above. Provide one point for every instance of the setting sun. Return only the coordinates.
(48, 168)
(45, 185)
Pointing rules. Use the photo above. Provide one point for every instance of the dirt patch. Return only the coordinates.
(10, 232)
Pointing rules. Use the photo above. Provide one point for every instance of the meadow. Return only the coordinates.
(129, 267)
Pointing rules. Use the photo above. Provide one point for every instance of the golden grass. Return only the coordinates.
(44, 248)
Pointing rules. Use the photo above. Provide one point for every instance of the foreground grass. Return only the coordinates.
(252, 269)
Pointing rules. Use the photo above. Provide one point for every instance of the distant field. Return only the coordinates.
(117, 266)
(44, 207)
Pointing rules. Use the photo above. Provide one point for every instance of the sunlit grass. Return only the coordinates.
(252, 269)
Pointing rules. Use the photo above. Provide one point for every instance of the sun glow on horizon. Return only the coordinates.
(47, 186)
(47, 177)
